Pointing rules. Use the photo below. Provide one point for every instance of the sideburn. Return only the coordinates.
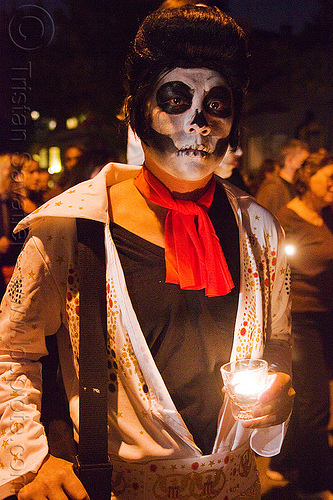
(221, 148)
(161, 143)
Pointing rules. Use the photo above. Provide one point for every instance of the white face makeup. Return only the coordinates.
(191, 114)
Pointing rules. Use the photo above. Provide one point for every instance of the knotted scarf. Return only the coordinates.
(193, 254)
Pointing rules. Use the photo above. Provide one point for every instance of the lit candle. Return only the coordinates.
(244, 380)
(247, 386)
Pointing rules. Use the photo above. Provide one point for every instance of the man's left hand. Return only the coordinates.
(274, 403)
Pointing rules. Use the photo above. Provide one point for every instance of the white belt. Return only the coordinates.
(226, 475)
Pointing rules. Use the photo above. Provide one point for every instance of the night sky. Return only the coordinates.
(263, 14)
(271, 14)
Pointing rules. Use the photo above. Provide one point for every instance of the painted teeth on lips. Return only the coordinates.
(199, 151)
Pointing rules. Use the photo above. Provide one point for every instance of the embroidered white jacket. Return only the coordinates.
(42, 299)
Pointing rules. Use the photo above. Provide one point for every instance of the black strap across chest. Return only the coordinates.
(93, 442)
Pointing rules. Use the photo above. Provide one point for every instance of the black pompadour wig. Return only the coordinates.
(190, 36)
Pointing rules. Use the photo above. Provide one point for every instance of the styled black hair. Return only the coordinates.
(190, 36)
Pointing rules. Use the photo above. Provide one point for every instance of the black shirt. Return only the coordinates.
(190, 335)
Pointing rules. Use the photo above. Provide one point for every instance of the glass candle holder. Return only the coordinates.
(244, 380)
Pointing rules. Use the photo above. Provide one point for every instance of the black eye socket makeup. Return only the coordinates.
(174, 97)
(218, 102)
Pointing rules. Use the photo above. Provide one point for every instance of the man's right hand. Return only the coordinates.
(55, 480)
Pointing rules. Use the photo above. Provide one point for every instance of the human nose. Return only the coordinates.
(198, 125)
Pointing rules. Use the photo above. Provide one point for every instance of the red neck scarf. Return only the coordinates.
(193, 254)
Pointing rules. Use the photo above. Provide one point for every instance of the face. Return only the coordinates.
(30, 175)
(72, 156)
(191, 114)
(298, 157)
(321, 184)
(229, 162)
(44, 178)
(4, 172)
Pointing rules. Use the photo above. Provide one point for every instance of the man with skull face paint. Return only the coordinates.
(191, 116)
(195, 277)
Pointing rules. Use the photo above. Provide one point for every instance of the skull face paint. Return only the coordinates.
(191, 114)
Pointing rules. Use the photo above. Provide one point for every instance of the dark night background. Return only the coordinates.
(65, 58)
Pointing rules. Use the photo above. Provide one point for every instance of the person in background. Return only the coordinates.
(309, 243)
(89, 164)
(229, 168)
(26, 173)
(10, 214)
(268, 169)
(71, 156)
(276, 193)
(192, 281)
(5, 217)
(44, 181)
